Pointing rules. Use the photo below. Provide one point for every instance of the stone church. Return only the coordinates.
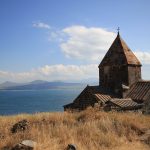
(120, 84)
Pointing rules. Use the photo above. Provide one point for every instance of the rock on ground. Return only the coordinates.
(20, 126)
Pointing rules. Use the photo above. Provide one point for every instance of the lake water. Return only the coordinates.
(31, 101)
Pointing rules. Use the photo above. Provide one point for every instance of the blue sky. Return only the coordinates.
(66, 39)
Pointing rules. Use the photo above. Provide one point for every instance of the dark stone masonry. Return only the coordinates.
(121, 87)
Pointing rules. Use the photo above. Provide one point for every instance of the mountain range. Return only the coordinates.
(36, 85)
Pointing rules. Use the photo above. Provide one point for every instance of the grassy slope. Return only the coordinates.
(89, 130)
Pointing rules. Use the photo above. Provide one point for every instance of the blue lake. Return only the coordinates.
(31, 101)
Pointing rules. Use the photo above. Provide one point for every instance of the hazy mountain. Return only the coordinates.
(9, 84)
(35, 85)
(38, 82)
(90, 81)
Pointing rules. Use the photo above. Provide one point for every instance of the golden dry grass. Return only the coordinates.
(89, 130)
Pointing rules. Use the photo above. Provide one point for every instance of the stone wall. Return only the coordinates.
(146, 108)
(134, 74)
(115, 75)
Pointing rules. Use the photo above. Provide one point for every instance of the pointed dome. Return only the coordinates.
(119, 54)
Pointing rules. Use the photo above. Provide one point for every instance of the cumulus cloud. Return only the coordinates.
(144, 57)
(91, 44)
(86, 43)
(79, 42)
(41, 25)
(53, 72)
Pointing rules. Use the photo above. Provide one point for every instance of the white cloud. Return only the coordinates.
(60, 72)
(144, 57)
(41, 25)
(53, 72)
(91, 44)
(78, 42)
(86, 43)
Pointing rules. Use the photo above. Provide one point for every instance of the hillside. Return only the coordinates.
(89, 130)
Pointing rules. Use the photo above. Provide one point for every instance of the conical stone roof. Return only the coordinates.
(119, 54)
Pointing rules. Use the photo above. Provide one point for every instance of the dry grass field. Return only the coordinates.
(88, 130)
